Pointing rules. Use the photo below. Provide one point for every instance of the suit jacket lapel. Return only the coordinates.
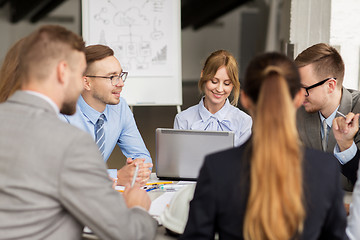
(331, 142)
(312, 121)
(345, 108)
(345, 102)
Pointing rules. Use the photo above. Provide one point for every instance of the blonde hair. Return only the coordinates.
(9, 72)
(275, 208)
(216, 60)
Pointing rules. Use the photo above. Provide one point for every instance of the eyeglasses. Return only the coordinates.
(115, 79)
(316, 85)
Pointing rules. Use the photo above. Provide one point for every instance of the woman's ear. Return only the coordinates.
(299, 98)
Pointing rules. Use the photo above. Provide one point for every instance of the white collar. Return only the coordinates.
(219, 115)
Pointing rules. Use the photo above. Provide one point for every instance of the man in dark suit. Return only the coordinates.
(53, 180)
(322, 72)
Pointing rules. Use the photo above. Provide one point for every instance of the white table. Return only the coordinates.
(160, 232)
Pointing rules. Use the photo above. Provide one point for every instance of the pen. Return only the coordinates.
(135, 175)
(150, 189)
(158, 183)
(171, 187)
(343, 115)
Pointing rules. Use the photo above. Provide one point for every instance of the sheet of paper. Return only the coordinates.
(186, 182)
(159, 204)
(120, 188)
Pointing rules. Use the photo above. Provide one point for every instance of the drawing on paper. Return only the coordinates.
(139, 32)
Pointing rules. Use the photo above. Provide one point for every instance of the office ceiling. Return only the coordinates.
(194, 13)
(31, 10)
(198, 13)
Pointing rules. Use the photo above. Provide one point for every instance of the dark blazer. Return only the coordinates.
(349, 170)
(309, 130)
(222, 191)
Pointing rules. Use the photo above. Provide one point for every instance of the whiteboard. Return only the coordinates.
(146, 38)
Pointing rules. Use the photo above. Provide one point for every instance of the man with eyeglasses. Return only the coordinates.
(107, 117)
(322, 71)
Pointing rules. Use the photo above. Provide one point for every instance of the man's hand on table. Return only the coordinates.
(126, 173)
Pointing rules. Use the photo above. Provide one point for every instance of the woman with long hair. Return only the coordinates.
(9, 79)
(271, 187)
(218, 81)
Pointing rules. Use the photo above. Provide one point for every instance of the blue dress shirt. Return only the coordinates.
(228, 118)
(120, 128)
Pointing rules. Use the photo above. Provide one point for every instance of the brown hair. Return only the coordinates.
(9, 72)
(275, 208)
(95, 53)
(45, 47)
(326, 61)
(216, 60)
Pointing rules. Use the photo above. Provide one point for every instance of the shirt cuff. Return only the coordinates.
(347, 155)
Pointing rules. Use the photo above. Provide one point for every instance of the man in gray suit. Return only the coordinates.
(53, 180)
(322, 72)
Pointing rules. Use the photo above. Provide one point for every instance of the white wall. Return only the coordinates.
(11, 32)
(197, 45)
(345, 32)
(330, 21)
(309, 23)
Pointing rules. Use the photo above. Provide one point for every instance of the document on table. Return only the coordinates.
(120, 188)
(186, 182)
(159, 204)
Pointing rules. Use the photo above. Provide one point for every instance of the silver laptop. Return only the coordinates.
(180, 153)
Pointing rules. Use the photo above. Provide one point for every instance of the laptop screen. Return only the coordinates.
(180, 153)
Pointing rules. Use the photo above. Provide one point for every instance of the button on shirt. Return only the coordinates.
(120, 128)
(228, 118)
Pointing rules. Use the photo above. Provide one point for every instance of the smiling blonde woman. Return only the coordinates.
(219, 79)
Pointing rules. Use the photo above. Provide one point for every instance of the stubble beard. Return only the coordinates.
(312, 109)
(108, 101)
(68, 108)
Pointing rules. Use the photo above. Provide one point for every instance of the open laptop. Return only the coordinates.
(180, 153)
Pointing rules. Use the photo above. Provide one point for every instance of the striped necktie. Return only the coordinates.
(100, 134)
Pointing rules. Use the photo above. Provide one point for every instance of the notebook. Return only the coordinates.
(180, 153)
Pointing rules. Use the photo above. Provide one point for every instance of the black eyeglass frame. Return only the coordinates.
(122, 75)
(316, 85)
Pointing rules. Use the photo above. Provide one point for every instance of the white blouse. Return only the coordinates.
(228, 118)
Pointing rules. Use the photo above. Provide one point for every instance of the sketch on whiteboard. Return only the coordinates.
(140, 33)
(101, 16)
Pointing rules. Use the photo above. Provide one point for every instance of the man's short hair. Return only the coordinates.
(44, 48)
(95, 53)
(326, 61)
